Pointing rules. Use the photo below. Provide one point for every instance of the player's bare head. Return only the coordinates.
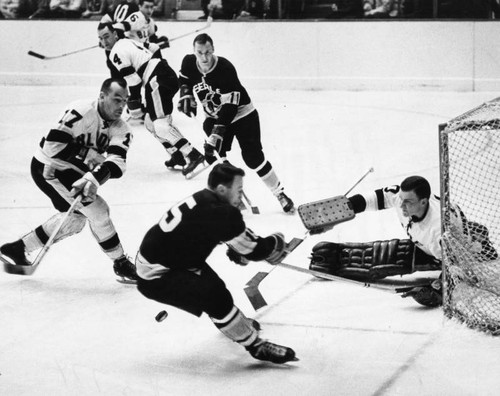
(226, 181)
(418, 184)
(203, 48)
(107, 36)
(147, 7)
(414, 195)
(112, 98)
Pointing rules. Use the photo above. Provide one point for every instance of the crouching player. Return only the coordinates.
(172, 268)
(419, 212)
(85, 148)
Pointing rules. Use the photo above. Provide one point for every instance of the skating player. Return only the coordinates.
(172, 268)
(85, 148)
(150, 80)
(229, 112)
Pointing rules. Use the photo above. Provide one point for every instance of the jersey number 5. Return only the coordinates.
(173, 217)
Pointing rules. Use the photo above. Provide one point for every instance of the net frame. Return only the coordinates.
(469, 150)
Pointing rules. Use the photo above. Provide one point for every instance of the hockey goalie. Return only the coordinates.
(419, 213)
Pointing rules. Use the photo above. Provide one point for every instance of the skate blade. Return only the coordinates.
(196, 171)
(17, 269)
(124, 281)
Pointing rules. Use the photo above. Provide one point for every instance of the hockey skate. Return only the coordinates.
(286, 203)
(267, 351)
(14, 258)
(176, 161)
(195, 159)
(124, 268)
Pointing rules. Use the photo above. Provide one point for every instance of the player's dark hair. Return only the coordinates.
(104, 25)
(106, 85)
(141, 2)
(418, 184)
(224, 174)
(203, 38)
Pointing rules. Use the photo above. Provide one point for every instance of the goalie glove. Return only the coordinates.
(429, 295)
(214, 142)
(187, 102)
(135, 109)
(279, 252)
(86, 186)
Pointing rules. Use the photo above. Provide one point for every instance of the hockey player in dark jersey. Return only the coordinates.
(172, 268)
(229, 112)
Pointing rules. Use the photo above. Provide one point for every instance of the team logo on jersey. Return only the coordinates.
(211, 100)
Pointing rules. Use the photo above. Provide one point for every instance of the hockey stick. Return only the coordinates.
(45, 57)
(30, 269)
(252, 287)
(359, 181)
(258, 301)
(208, 24)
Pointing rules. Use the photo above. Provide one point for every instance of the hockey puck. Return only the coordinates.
(161, 316)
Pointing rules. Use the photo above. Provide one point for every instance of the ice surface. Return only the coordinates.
(71, 329)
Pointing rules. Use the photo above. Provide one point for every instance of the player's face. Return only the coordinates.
(107, 38)
(112, 103)
(233, 194)
(204, 55)
(147, 9)
(412, 205)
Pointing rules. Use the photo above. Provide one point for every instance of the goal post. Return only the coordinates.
(469, 149)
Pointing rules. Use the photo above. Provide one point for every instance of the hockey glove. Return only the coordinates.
(135, 108)
(215, 139)
(279, 253)
(86, 186)
(163, 42)
(237, 258)
(429, 296)
(187, 103)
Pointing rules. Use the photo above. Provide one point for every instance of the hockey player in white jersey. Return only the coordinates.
(419, 213)
(152, 85)
(83, 150)
(140, 25)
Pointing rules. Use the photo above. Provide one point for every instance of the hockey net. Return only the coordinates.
(470, 186)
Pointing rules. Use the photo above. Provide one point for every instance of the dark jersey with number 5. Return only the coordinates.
(189, 231)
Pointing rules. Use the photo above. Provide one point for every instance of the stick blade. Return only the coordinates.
(255, 297)
(36, 55)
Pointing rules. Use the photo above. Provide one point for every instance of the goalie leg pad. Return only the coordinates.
(364, 261)
(237, 327)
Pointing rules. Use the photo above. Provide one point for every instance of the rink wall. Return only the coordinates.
(354, 55)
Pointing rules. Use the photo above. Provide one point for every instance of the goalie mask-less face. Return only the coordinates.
(411, 205)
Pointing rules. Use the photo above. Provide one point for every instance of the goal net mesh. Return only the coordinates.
(470, 186)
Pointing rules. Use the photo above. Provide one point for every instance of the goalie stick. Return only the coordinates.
(46, 57)
(30, 269)
(257, 300)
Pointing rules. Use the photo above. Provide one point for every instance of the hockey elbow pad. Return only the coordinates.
(278, 253)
